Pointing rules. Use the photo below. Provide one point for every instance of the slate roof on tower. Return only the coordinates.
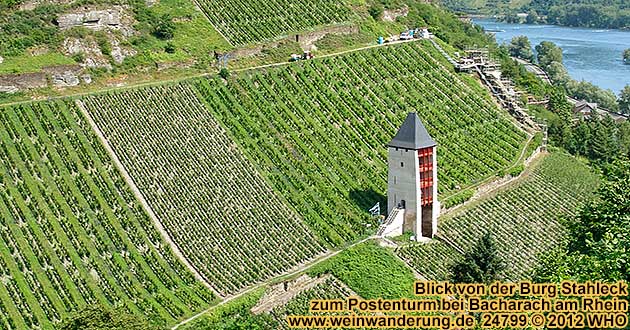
(412, 135)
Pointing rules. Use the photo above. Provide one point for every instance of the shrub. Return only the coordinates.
(376, 11)
(170, 48)
(164, 28)
(224, 73)
(516, 171)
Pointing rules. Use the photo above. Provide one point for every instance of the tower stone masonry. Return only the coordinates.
(412, 201)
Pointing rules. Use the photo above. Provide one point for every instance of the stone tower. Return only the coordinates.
(412, 202)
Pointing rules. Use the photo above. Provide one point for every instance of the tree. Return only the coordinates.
(532, 17)
(481, 264)
(548, 52)
(624, 100)
(584, 90)
(626, 56)
(604, 146)
(99, 317)
(170, 48)
(599, 236)
(376, 11)
(521, 47)
(164, 27)
(224, 73)
(558, 73)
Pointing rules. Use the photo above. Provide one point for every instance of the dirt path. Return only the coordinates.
(138, 195)
(301, 269)
(199, 75)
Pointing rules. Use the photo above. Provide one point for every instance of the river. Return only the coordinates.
(593, 55)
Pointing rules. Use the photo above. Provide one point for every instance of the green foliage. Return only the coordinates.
(88, 209)
(626, 56)
(523, 79)
(516, 170)
(234, 315)
(520, 47)
(236, 319)
(376, 11)
(9, 4)
(459, 198)
(560, 128)
(558, 73)
(624, 100)
(28, 63)
(525, 218)
(20, 30)
(351, 118)
(176, 21)
(371, 271)
(584, 90)
(614, 14)
(331, 289)
(481, 264)
(99, 317)
(246, 22)
(103, 43)
(602, 140)
(170, 48)
(224, 73)
(547, 53)
(164, 27)
(79, 57)
(445, 25)
(231, 184)
(599, 237)
(532, 17)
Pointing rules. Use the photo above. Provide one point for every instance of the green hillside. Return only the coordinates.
(317, 130)
(525, 219)
(71, 232)
(243, 22)
(211, 200)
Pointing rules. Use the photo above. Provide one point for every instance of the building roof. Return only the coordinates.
(583, 106)
(412, 135)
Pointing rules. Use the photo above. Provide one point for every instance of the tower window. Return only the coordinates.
(402, 164)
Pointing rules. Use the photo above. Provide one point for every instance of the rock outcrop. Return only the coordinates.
(64, 75)
(119, 53)
(392, 14)
(59, 76)
(92, 55)
(12, 83)
(161, 66)
(114, 18)
(307, 39)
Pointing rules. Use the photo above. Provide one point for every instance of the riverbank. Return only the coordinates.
(593, 55)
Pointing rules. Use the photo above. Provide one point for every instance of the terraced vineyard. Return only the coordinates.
(299, 305)
(318, 129)
(72, 233)
(244, 22)
(524, 219)
(225, 219)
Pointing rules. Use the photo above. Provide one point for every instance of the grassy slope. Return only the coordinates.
(71, 232)
(524, 218)
(318, 129)
(371, 271)
(194, 38)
